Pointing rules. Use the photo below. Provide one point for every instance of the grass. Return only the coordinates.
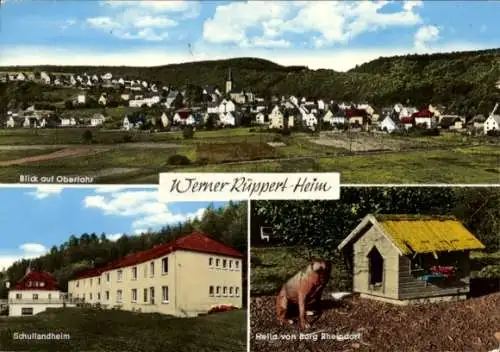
(94, 330)
(6, 155)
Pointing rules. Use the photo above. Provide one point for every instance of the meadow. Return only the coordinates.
(113, 330)
(114, 156)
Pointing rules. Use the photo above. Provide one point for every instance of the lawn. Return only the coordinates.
(95, 330)
(6, 155)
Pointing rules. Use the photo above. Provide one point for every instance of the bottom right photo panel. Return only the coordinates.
(381, 269)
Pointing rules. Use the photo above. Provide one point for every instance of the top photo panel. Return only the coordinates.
(116, 92)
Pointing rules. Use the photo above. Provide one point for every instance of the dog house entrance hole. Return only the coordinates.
(376, 267)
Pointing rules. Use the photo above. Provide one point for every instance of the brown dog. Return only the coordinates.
(304, 289)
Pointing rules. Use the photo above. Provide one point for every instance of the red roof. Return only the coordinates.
(356, 112)
(196, 242)
(406, 120)
(423, 113)
(37, 280)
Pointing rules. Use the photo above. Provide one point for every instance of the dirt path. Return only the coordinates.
(151, 145)
(54, 155)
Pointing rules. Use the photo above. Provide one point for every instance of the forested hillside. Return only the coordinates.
(463, 81)
(228, 225)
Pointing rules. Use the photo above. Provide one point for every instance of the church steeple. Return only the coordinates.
(229, 81)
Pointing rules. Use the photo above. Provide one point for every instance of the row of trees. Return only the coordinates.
(227, 224)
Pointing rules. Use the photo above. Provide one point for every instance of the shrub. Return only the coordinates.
(278, 138)
(178, 159)
(87, 136)
(286, 132)
(188, 132)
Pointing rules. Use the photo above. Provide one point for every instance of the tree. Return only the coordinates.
(87, 136)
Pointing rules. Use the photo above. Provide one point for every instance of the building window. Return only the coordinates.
(164, 291)
(164, 265)
(211, 291)
(237, 264)
(134, 273)
(134, 295)
(152, 295)
(107, 295)
(19, 296)
(84, 296)
(119, 296)
(78, 284)
(107, 277)
(35, 296)
(217, 262)
(237, 291)
(90, 296)
(152, 269)
(119, 275)
(99, 281)
(210, 261)
(224, 263)
(230, 264)
(145, 295)
(50, 296)
(224, 291)
(230, 291)
(99, 296)
(27, 311)
(90, 282)
(217, 291)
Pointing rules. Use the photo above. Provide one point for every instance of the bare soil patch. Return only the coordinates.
(69, 152)
(467, 325)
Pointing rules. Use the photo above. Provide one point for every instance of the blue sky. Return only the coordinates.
(46, 216)
(319, 34)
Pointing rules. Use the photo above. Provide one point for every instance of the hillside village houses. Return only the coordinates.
(228, 108)
(36, 292)
(184, 278)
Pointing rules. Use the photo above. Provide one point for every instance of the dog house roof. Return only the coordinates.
(419, 233)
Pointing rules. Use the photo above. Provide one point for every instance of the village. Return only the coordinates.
(156, 107)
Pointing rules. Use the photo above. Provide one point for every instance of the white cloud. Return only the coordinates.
(114, 237)
(143, 206)
(26, 251)
(142, 19)
(46, 191)
(424, 35)
(328, 21)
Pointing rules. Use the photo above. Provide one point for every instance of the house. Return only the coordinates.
(390, 124)
(335, 116)
(81, 99)
(171, 97)
(184, 117)
(452, 122)
(260, 118)
(34, 293)
(424, 118)
(97, 120)
(477, 122)
(107, 76)
(45, 77)
(492, 123)
(103, 100)
(408, 122)
(406, 259)
(406, 111)
(367, 107)
(310, 120)
(20, 77)
(357, 116)
(132, 122)
(67, 122)
(30, 122)
(72, 80)
(277, 119)
(226, 106)
(183, 278)
(125, 97)
(436, 110)
(11, 122)
(227, 119)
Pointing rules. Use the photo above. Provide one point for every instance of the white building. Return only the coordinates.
(226, 106)
(81, 99)
(389, 124)
(492, 123)
(44, 76)
(36, 292)
(68, 122)
(97, 120)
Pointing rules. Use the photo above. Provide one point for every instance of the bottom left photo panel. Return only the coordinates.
(112, 268)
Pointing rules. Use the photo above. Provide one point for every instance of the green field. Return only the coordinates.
(138, 156)
(96, 331)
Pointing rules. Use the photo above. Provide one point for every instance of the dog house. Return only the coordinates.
(407, 259)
